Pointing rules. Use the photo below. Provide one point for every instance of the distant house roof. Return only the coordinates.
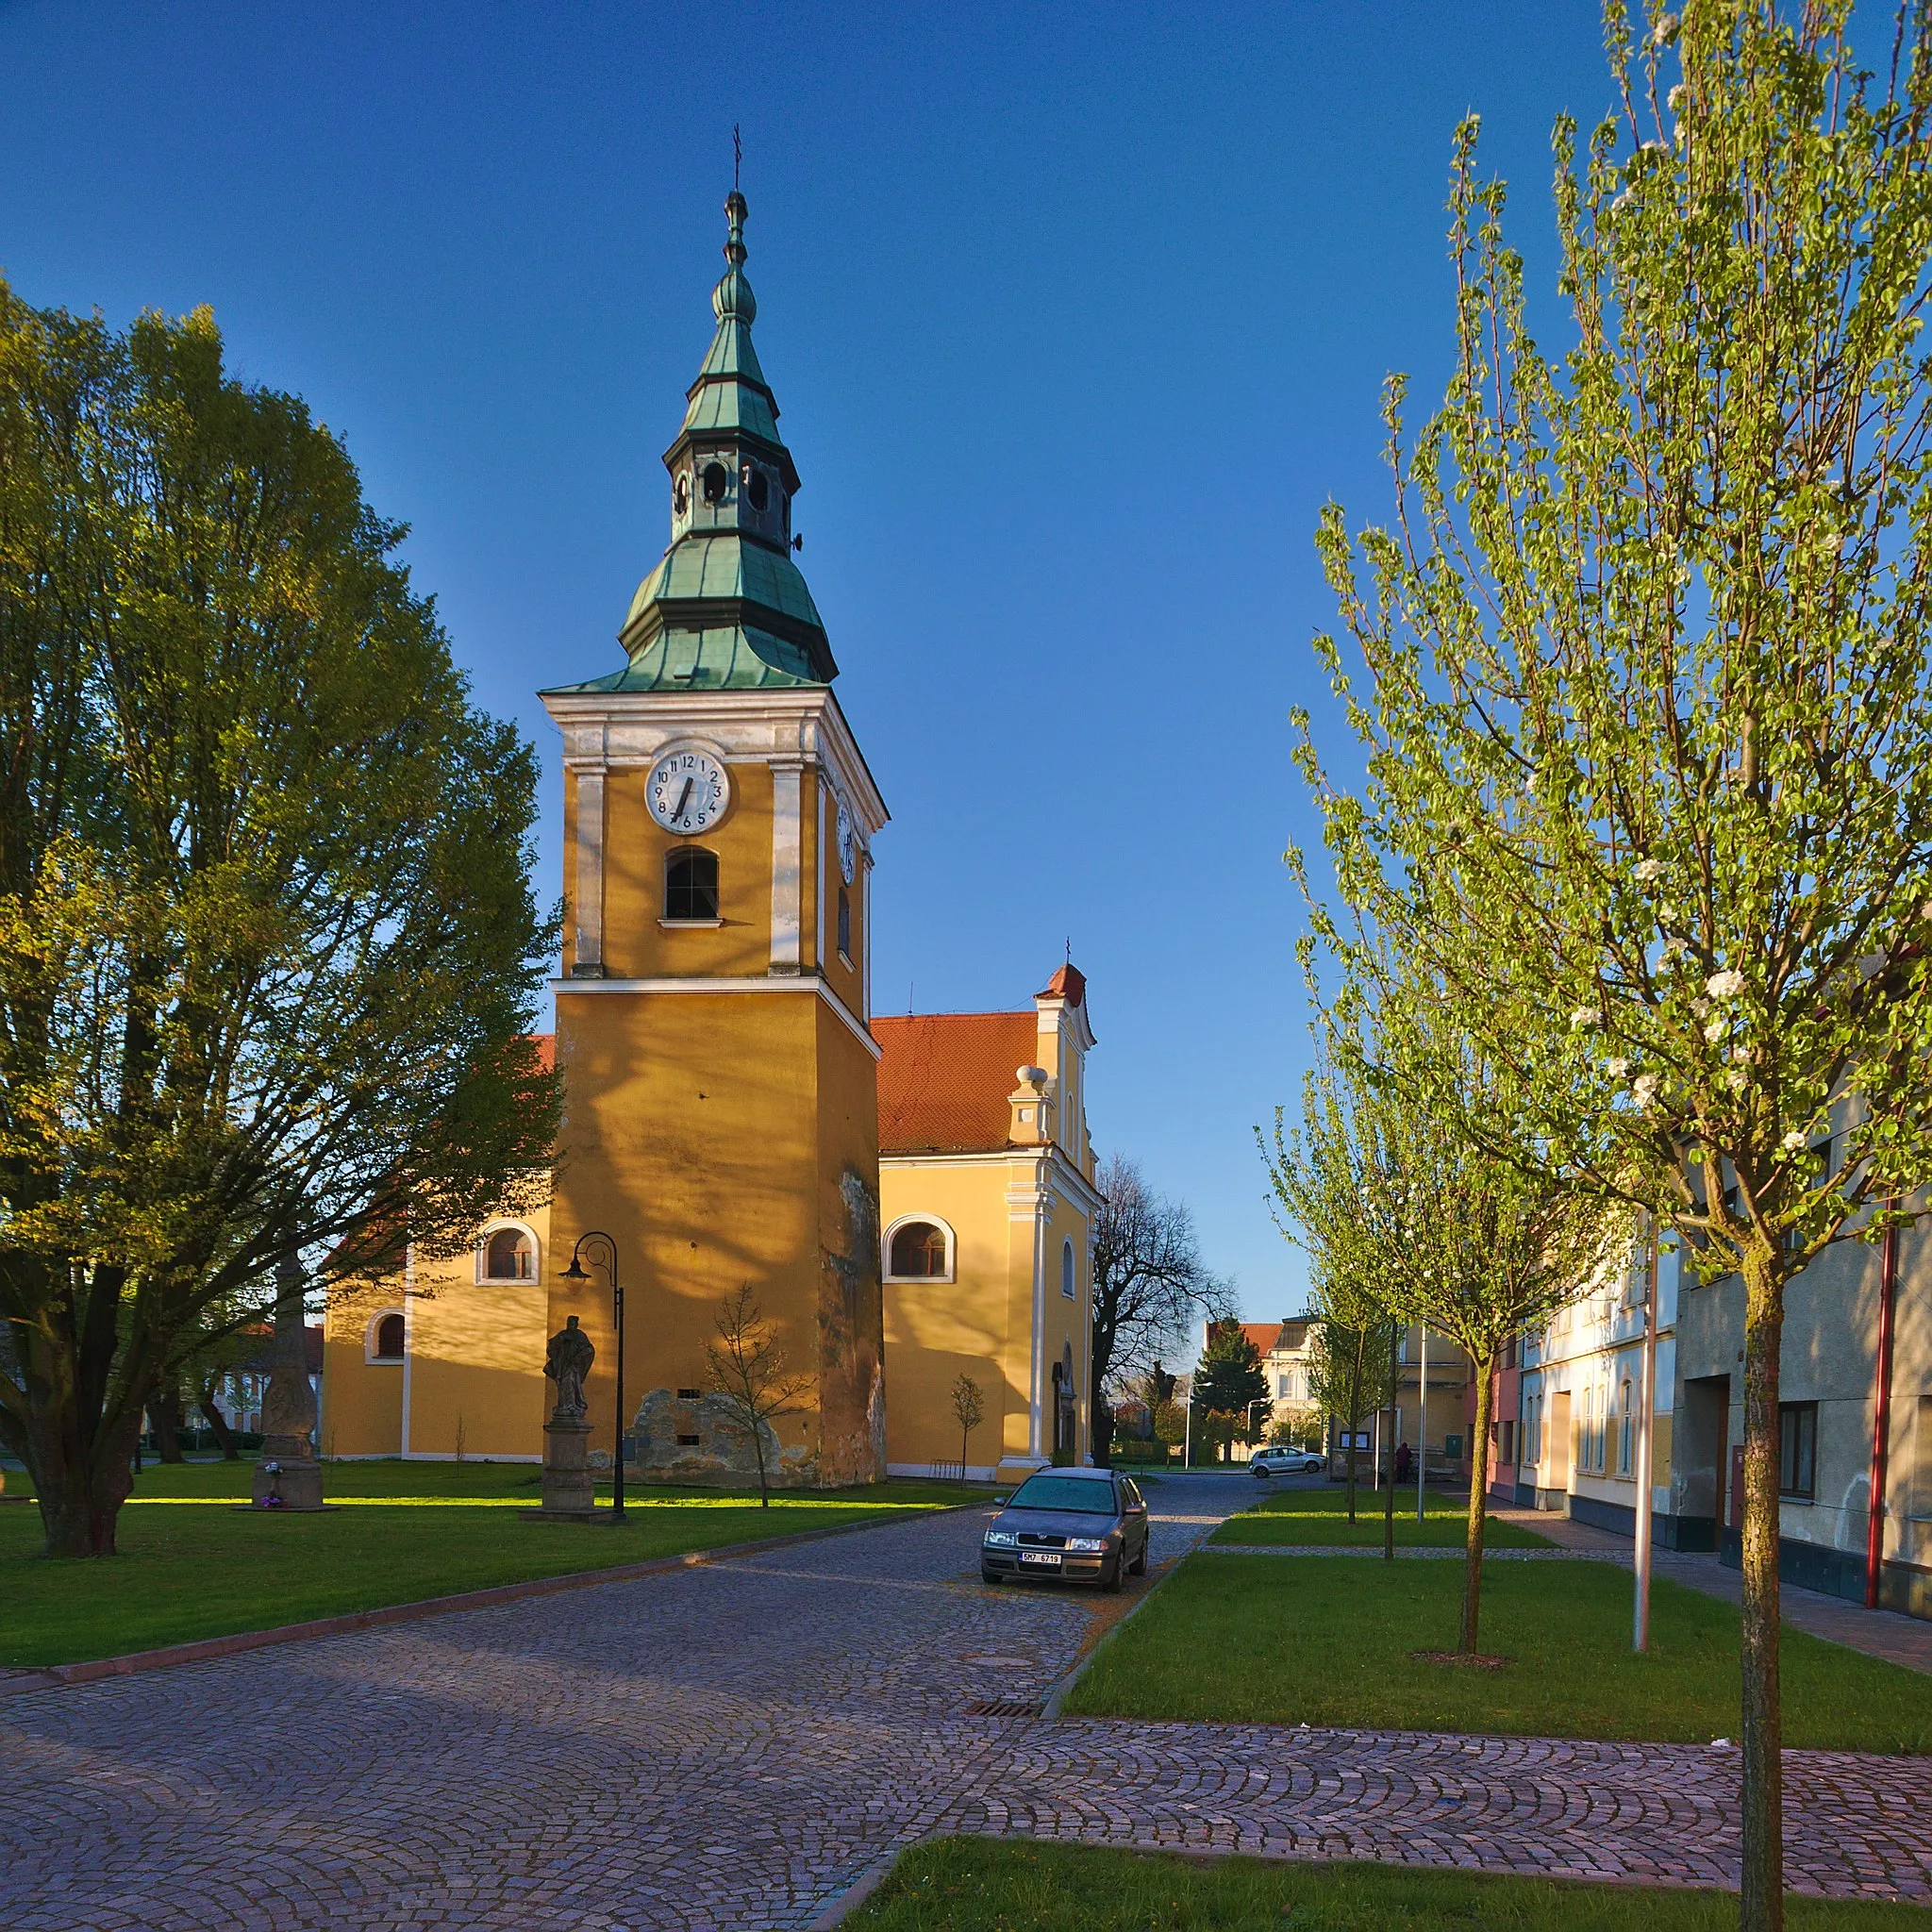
(1268, 1336)
(944, 1079)
(545, 1044)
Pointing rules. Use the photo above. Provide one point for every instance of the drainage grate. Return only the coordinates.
(1004, 1706)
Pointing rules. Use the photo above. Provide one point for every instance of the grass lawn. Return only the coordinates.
(1321, 1516)
(190, 1565)
(995, 1885)
(1331, 1641)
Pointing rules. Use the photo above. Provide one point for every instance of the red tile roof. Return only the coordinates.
(545, 1044)
(1069, 984)
(944, 1078)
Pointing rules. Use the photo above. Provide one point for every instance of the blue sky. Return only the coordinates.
(1077, 316)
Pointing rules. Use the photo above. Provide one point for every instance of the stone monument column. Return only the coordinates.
(289, 1477)
(568, 1490)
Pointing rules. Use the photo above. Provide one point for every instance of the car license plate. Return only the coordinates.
(1051, 1558)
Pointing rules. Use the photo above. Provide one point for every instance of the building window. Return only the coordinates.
(1067, 1270)
(691, 1394)
(918, 1252)
(845, 925)
(680, 493)
(1625, 1423)
(716, 479)
(1797, 1450)
(386, 1338)
(691, 885)
(757, 487)
(1508, 1458)
(510, 1255)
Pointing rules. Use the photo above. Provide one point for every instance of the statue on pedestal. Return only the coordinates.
(289, 1475)
(568, 1491)
(567, 1361)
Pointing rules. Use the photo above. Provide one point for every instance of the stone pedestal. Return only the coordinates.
(567, 1489)
(289, 1477)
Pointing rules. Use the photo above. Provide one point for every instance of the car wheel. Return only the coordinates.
(1111, 1576)
(1138, 1566)
(987, 1575)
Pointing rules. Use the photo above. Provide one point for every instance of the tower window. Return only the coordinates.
(680, 493)
(1067, 1270)
(845, 925)
(757, 489)
(690, 884)
(919, 1252)
(389, 1339)
(717, 480)
(508, 1258)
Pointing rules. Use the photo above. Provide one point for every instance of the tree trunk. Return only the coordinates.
(1350, 1475)
(1763, 1909)
(81, 1478)
(218, 1423)
(165, 1412)
(1478, 1503)
(1388, 1500)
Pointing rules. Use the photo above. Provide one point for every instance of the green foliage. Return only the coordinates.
(1229, 1376)
(268, 954)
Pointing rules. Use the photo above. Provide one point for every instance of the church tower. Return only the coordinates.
(721, 1114)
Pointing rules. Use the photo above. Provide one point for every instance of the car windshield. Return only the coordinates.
(1080, 1495)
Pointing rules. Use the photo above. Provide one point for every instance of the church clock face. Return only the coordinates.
(848, 843)
(688, 791)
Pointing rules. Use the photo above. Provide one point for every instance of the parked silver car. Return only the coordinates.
(1086, 1523)
(1284, 1462)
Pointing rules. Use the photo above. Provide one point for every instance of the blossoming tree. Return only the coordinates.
(1646, 709)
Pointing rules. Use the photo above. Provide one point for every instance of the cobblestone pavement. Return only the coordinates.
(728, 1747)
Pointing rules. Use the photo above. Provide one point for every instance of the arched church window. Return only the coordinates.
(919, 1251)
(389, 1338)
(680, 493)
(508, 1256)
(717, 479)
(1067, 1270)
(757, 487)
(690, 884)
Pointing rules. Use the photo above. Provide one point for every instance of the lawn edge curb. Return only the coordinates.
(207, 1649)
(1063, 1688)
(839, 1908)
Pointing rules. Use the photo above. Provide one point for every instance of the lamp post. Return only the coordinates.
(1258, 1402)
(576, 1272)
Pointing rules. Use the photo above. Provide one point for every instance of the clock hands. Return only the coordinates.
(684, 798)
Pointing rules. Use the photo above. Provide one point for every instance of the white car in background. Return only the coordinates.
(1284, 1461)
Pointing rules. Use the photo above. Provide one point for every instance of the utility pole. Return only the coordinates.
(1646, 1420)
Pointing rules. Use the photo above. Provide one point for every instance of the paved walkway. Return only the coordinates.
(1898, 1639)
(728, 1747)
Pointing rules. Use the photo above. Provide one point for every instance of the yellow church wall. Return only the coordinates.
(937, 1331)
(852, 1392)
(472, 1363)
(476, 1360)
(691, 1137)
(361, 1401)
(636, 943)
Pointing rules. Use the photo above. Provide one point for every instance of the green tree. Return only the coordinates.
(1348, 1367)
(1227, 1379)
(268, 956)
(1647, 713)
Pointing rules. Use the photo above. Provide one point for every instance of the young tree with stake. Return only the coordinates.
(1646, 708)
(749, 1369)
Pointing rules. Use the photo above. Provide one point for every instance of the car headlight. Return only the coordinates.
(1001, 1539)
(1086, 1545)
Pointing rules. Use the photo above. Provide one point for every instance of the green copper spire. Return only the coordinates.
(726, 609)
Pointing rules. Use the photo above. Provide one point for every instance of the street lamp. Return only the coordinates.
(1258, 1402)
(576, 1272)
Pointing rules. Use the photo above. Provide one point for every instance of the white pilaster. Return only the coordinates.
(787, 864)
(590, 893)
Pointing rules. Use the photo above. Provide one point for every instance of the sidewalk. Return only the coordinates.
(1906, 1641)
